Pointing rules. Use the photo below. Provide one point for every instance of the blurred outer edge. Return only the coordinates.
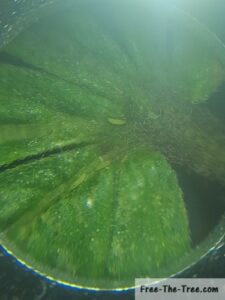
(211, 39)
(16, 15)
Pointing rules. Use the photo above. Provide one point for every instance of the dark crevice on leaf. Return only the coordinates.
(6, 58)
(51, 198)
(39, 156)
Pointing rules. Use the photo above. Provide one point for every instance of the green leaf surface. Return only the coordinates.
(96, 106)
(91, 217)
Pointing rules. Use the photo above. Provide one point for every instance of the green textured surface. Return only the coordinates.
(129, 93)
(98, 221)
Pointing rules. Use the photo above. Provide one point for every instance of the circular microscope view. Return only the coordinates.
(112, 141)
